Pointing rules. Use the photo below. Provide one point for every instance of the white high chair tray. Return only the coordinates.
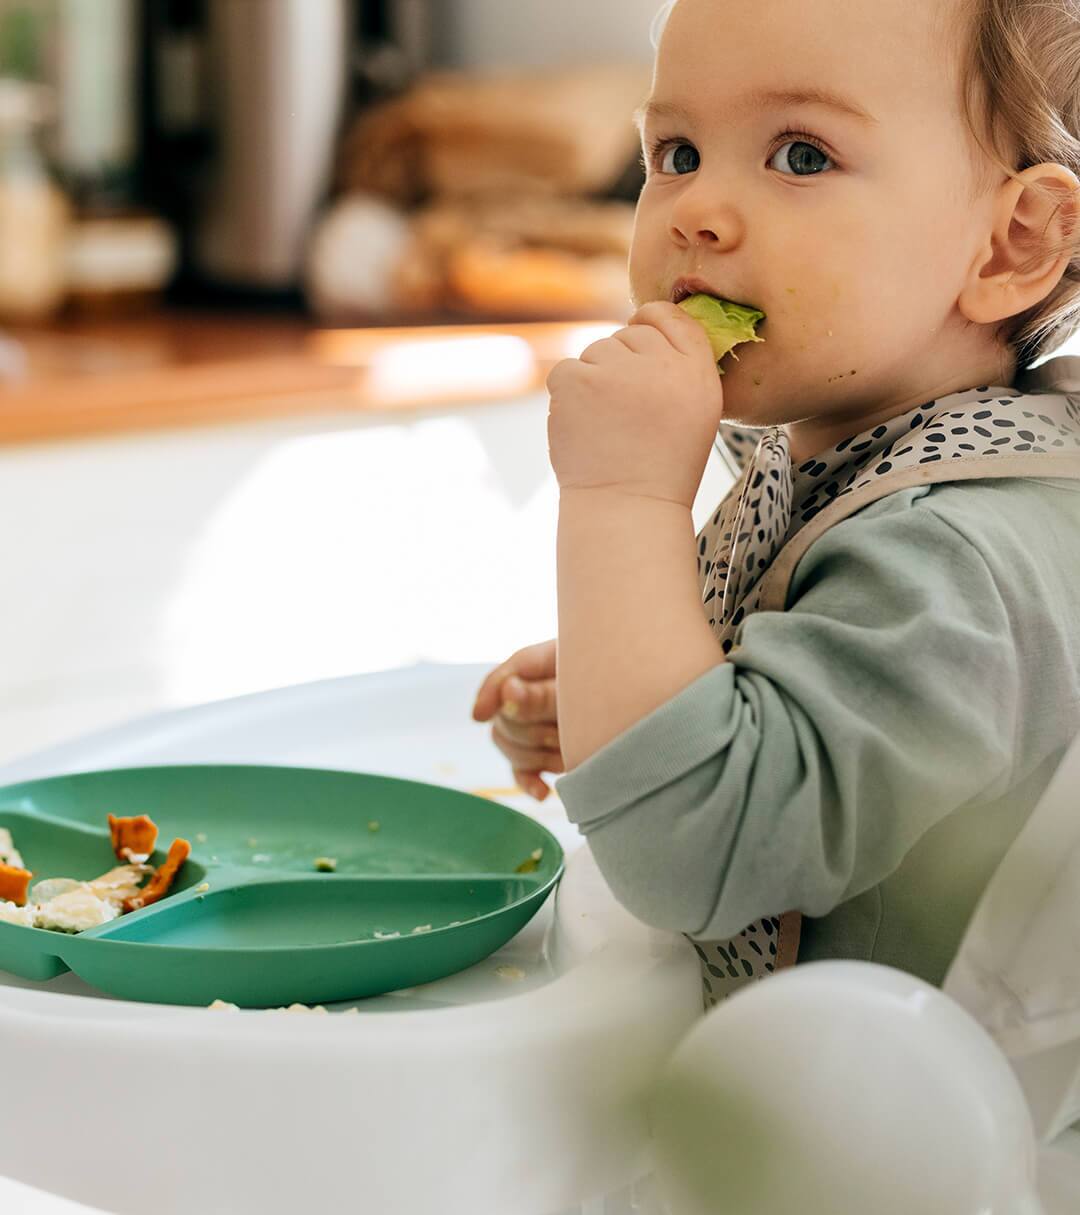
(484, 1093)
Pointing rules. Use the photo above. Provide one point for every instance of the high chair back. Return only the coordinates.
(1018, 967)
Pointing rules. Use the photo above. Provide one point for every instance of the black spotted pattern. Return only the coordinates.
(771, 501)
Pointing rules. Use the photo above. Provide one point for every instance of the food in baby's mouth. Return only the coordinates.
(726, 324)
(68, 905)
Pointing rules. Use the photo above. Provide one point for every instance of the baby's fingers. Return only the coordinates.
(532, 783)
(544, 736)
(533, 662)
(529, 759)
(535, 753)
(533, 701)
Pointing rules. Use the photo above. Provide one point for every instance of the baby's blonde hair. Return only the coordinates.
(1019, 76)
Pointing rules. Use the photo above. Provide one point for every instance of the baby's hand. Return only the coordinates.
(520, 695)
(639, 411)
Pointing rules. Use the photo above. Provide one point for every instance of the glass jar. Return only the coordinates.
(34, 212)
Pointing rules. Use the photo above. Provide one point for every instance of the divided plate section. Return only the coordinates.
(53, 847)
(269, 929)
(266, 943)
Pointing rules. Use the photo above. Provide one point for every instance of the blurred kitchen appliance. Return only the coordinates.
(277, 79)
(245, 103)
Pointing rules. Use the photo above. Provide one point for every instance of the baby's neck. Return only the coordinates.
(812, 436)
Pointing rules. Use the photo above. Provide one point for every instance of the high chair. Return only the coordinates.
(596, 1086)
(842, 1088)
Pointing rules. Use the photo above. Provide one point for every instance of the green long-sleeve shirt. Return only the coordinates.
(868, 755)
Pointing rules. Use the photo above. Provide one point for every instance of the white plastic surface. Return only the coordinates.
(842, 1088)
(18, 1199)
(474, 1094)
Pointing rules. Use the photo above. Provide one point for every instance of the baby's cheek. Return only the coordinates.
(810, 317)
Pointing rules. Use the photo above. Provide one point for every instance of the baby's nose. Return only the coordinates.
(710, 223)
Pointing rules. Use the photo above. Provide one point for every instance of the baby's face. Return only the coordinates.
(853, 234)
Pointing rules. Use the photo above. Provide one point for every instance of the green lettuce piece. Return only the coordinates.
(725, 323)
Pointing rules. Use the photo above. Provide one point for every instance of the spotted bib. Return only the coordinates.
(748, 550)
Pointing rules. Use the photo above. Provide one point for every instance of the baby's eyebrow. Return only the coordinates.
(761, 99)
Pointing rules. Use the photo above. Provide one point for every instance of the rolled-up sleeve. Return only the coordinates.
(797, 774)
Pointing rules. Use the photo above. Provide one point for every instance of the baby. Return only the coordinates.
(814, 728)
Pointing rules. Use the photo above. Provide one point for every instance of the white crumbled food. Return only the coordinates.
(9, 854)
(68, 905)
(422, 928)
(10, 914)
(123, 882)
(261, 858)
(385, 936)
(52, 888)
(202, 888)
(307, 1008)
(223, 1006)
(326, 864)
(512, 973)
(75, 911)
(201, 837)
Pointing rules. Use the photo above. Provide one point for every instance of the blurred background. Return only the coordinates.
(280, 285)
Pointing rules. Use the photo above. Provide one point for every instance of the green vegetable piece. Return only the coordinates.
(532, 864)
(726, 324)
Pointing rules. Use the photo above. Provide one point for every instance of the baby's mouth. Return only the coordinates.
(684, 288)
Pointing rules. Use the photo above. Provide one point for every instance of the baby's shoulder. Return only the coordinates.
(1017, 525)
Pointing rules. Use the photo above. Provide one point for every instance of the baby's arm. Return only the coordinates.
(802, 771)
(632, 632)
(631, 426)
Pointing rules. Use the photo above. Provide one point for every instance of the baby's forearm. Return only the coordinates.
(632, 631)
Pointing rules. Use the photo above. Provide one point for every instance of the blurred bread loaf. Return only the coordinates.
(452, 134)
(532, 257)
(485, 196)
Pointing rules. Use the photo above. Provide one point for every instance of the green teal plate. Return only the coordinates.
(250, 920)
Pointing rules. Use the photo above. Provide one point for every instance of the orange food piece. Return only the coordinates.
(159, 884)
(135, 836)
(14, 884)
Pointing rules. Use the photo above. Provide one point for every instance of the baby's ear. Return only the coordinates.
(1036, 215)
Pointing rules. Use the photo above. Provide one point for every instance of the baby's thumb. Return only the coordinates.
(534, 662)
(530, 700)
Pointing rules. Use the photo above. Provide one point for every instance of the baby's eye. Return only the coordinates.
(803, 158)
(678, 158)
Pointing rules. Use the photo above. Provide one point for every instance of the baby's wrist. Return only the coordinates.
(621, 496)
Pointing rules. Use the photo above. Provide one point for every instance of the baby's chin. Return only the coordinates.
(756, 398)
